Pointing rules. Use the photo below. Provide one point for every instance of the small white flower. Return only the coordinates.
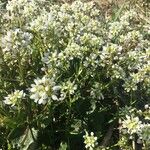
(56, 88)
(12, 99)
(90, 141)
(144, 133)
(40, 91)
(14, 41)
(146, 106)
(54, 97)
(69, 87)
(132, 124)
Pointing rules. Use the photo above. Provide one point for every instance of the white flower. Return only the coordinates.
(54, 97)
(128, 15)
(20, 7)
(69, 87)
(12, 99)
(114, 29)
(144, 133)
(40, 91)
(90, 141)
(132, 124)
(146, 106)
(14, 41)
(42, 22)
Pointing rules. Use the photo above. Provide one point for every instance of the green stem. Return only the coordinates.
(68, 121)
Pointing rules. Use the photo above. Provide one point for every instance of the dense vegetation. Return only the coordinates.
(73, 77)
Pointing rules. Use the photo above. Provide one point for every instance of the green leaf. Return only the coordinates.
(16, 133)
(27, 141)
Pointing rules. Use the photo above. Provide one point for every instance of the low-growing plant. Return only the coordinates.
(67, 75)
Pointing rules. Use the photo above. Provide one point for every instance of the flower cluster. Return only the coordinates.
(144, 134)
(16, 43)
(132, 125)
(41, 90)
(90, 141)
(22, 10)
(73, 59)
(14, 98)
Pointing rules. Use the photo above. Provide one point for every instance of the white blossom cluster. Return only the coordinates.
(78, 55)
(90, 140)
(144, 134)
(15, 42)
(133, 124)
(42, 22)
(14, 98)
(69, 87)
(132, 52)
(22, 10)
(41, 90)
(75, 32)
